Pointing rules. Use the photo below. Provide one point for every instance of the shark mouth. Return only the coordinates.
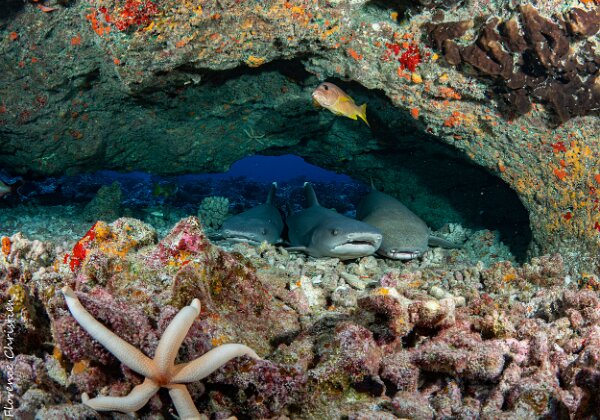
(358, 244)
(240, 237)
(400, 255)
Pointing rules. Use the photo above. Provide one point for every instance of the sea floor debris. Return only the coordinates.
(439, 337)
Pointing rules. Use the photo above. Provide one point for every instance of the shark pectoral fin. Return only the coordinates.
(441, 242)
(297, 249)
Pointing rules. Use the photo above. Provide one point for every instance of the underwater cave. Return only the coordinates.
(431, 179)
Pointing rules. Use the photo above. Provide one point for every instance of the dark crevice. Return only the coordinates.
(370, 385)
(410, 340)
(10, 8)
(286, 339)
(292, 69)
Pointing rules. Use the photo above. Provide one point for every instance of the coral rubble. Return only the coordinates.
(139, 76)
(364, 339)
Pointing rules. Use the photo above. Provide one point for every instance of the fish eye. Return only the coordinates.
(325, 87)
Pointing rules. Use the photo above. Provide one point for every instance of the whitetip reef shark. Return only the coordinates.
(259, 224)
(405, 235)
(322, 232)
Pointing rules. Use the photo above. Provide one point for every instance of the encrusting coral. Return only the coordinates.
(532, 57)
(160, 371)
(213, 211)
(369, 339)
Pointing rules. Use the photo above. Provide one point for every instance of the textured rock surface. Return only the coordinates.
(170, 84)
(426, 341)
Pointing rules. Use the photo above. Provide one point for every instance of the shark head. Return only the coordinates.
(257, 225)
(253, 231)
(405, 246)
(345, 239)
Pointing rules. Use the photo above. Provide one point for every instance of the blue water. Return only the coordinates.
(137, 187)
(274, 168)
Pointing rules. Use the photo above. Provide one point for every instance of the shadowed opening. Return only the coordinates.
(434, 183)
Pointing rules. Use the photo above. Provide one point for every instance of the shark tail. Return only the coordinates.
(14, 187)
(362, 114)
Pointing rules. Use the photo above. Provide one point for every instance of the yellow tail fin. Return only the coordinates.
(363, 114)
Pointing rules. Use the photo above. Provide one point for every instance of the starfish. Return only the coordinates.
(160, 371)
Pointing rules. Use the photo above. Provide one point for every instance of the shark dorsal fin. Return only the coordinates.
(271, 194)
(311, 197)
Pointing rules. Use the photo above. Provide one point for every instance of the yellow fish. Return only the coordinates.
(333, 98)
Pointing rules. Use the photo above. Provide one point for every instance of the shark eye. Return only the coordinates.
(263, 231)
(334, 232)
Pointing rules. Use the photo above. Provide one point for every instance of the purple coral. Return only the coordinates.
(129, 322)
(268, 387)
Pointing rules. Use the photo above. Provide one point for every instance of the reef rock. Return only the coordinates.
(106, 205)
(503, 341)
(108, 84)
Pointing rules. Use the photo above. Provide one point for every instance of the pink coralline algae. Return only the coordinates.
(399, 372)
(463, 354)
(354, 352)
(267, 387)
(184, 241)
(130, 322)
(504, 341)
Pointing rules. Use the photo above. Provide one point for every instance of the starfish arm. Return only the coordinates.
(183, 402)
(211, 361)
(171, 339)
(137, 398)
(121, 349)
